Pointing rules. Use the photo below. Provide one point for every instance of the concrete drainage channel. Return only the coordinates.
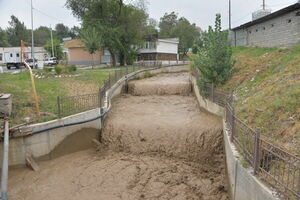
(156, 143)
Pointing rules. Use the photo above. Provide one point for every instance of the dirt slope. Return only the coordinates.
(267, 90)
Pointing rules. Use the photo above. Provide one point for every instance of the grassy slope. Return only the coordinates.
(48, 89)
(267, 87)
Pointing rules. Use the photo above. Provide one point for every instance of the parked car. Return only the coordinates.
(50, 61)
(30, 63)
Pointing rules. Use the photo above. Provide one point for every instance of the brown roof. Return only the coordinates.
(73, 43)
(270, 16)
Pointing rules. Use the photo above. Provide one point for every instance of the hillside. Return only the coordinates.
(267, 92)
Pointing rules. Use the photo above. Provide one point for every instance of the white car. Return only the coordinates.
(50, 61)
(30, 63)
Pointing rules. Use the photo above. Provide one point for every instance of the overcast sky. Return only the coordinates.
(201, 12)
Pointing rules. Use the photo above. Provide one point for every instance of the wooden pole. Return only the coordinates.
(36, 100)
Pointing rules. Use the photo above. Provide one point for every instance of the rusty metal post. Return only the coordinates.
(37, 106)
(58, 107)
(4, 175)
(256, 152)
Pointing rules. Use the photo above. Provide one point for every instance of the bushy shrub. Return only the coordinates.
(47, 69)
(72, 68)
(58, 69)
(214, 58)
(147, 75)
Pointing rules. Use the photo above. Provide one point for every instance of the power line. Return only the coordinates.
(49, 16)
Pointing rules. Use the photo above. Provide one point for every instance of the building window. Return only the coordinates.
(272, 25)
(250, 32)
(11, 55)
(289, 21)
(1, 56)
(256, 30)
(18, 55)
(264, 28)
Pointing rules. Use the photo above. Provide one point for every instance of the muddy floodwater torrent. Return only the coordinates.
(157, 144)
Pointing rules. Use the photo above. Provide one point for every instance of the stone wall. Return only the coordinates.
(282, 31)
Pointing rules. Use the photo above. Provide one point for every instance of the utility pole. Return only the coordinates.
(264, 5)
(32, 38)
(229, 14)
(52, 41)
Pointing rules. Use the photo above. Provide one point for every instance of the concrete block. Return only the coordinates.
(6, 104)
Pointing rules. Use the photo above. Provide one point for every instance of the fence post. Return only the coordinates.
(100, 98)
(256, 152)
(58, 107)
(212, 92)
(109, 79)
(232, 121)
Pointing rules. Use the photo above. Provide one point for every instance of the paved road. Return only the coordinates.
(12, 70)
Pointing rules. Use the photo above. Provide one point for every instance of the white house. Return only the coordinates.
(160, 49)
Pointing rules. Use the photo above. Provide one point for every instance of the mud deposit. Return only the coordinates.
(162, 84)
(154, 147)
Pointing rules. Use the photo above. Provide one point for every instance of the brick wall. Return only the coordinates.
(280, 31)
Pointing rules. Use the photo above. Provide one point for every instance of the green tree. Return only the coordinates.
(17, 31)
(91, 40)
(62, 31)
(41, 35)
(3, 38)
(187, 34)
(166, 24)
(121, 25)
(151, 27)
(132, 30)
(58, 50)
(214, 59)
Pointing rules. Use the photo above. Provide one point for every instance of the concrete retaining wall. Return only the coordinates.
(204, 103)
(243, 185)
(42, 144)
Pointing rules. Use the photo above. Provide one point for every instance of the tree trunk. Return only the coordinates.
(93, 62)
(122, 59)
(113, 58)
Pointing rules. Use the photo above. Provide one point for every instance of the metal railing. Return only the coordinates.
(277, 167)
(75, 104)
(5, 157)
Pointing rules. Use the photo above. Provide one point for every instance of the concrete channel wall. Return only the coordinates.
(42, 144)
(243, 185)
(63, 140)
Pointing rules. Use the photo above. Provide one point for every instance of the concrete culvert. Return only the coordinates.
(156, 145)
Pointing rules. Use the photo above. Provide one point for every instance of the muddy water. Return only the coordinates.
(156, 146)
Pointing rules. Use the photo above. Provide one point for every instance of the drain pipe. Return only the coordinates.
(4, 175)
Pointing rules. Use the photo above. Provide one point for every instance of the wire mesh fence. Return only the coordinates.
(277, 167)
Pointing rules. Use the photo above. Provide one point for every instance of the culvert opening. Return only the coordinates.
(158, 145)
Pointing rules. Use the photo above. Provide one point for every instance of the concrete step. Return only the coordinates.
(162, 84)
